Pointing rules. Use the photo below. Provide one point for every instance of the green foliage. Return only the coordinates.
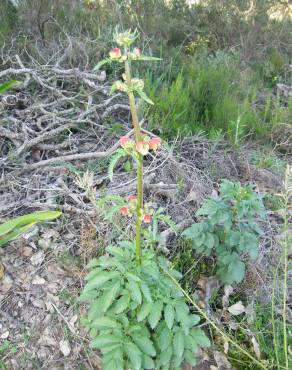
(228, 229)
(13, 228)
(137, 316)
(7, 86)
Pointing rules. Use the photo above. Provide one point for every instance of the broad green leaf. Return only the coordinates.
(93, 273)
(148, 363)
(166, 355)
(144, 311)
(103, 341)
(146, 291)
(88, 296)
(110, 295)
(122, 303)
(28, 219)
(13, 228)
(165, 339)
(169, 315)
(134, 354)
(135, 291)
(178, 343)
(190, 358)
(105, 322)
(155, 314)
(200, 337)
(100, 279)
(145, 345)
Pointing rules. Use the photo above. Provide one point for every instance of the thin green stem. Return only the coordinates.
(138, 138)
(286, 241)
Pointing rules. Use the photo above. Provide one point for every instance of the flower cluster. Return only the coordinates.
(116, 54)
(131, 209)
(143, 147)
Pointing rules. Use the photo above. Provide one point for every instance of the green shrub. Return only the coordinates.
(228, 229)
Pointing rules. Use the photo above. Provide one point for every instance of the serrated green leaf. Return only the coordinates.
(146, 291)
(178, 343)
(169, 315)
(155, 314)
(145, 345)
(135, 291)
(166, 355)
(105, 322)
(190, 358)
(103, 341)
(88, 296)
(200, 337)
(148, 363)
(100, 279)
(165, 339)
(122, 304)
(134, 354)
(109, 296)
(144, 311)
(120, 153)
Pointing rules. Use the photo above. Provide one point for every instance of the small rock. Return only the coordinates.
(38, 280)
(37, 258)
(65, 347)
(5, 335)
(27, 251)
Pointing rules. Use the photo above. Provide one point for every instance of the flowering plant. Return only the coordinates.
(137, 315)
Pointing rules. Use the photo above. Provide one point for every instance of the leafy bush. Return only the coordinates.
(229, 229)
(138, 317)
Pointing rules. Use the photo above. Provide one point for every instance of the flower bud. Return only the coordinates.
(147, 218)
(115, 53)
(142, 147)
(132, 198)
(125, 39)
(154, 143)
(124, 211)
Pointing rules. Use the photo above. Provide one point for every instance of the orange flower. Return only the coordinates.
(147, 218)
(115, 53)
(142, 147)
(154, 143)
(132, 198)
(124, 211)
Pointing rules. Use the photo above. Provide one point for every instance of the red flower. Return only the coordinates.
(142, 147)
(124, 140)
(132, 198)
(124, 211)
(147, 218)
(115, 53)
(154, 143)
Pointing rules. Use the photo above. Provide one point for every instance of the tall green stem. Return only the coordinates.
(138, 138)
